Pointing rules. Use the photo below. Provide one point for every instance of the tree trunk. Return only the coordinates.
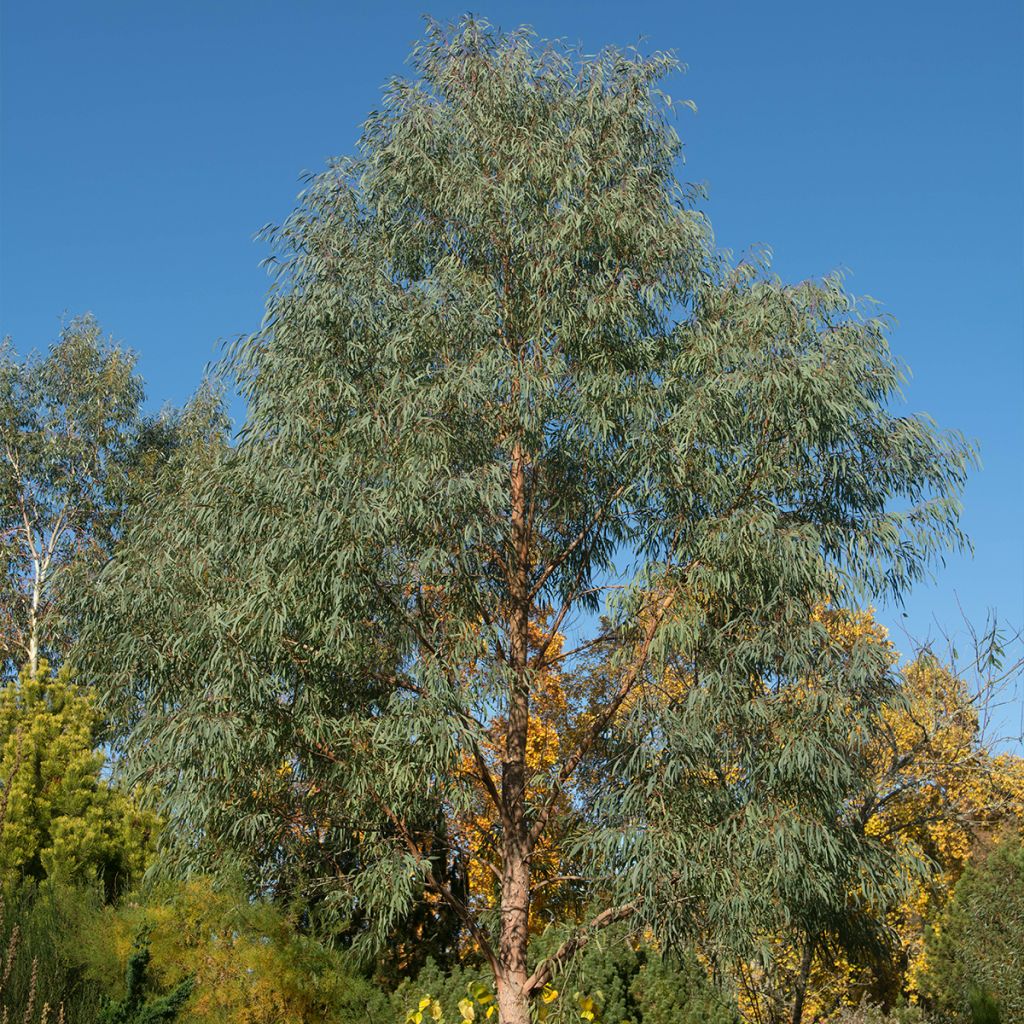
(513, 1005)
(33, 623)
(801, 986)
(513, 1002)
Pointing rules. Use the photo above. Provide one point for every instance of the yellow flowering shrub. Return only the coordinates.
(249, 962)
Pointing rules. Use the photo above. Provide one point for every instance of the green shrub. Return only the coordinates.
(679, 992)
(35, 971)
(448, 987)
(869, 1013)
(975, 951)
(136, 1006)
(630, 984)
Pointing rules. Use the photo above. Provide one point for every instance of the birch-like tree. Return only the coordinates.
(69, 429)
(76, 451)
(505, 379)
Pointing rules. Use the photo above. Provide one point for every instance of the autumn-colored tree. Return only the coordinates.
(940, 789)
(935, 791)
(553, 729)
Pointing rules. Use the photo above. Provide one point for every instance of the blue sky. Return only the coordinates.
(144, 144)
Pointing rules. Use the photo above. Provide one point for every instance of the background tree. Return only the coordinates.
(76, 450)
(501, 364)
(69, 425)
(550, 732)
(940, 787)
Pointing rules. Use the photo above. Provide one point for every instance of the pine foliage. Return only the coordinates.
(136, 1007)
(62, 821)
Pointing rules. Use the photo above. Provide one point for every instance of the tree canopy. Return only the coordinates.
(75, 449)
(69, 426)
(505, 379)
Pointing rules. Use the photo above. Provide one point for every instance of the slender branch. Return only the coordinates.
(539, 661)
(554, 564)
(29, 535)
(438, 886)
(489, 623)
(486, 777)
(546, 968)
(496, 555)
(602, 721)
(559, 880)
(596, 641)
(489, 784)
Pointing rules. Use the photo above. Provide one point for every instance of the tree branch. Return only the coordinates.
(439, 887)
(602, 721)
(553, 565)
(546, 968)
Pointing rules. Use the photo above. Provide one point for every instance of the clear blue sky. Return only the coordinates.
(144, 144)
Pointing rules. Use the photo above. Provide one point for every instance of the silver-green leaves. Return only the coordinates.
(504, 378)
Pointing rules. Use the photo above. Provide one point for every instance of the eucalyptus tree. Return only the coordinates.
(503, 380)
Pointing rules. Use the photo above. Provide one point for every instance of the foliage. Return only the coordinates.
(249, 962)
(63, 822)
(500, 363)
(478, 999)
(975, 949)
(35, 972)
(69, 425)
(135, 1008)
(448, 987)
